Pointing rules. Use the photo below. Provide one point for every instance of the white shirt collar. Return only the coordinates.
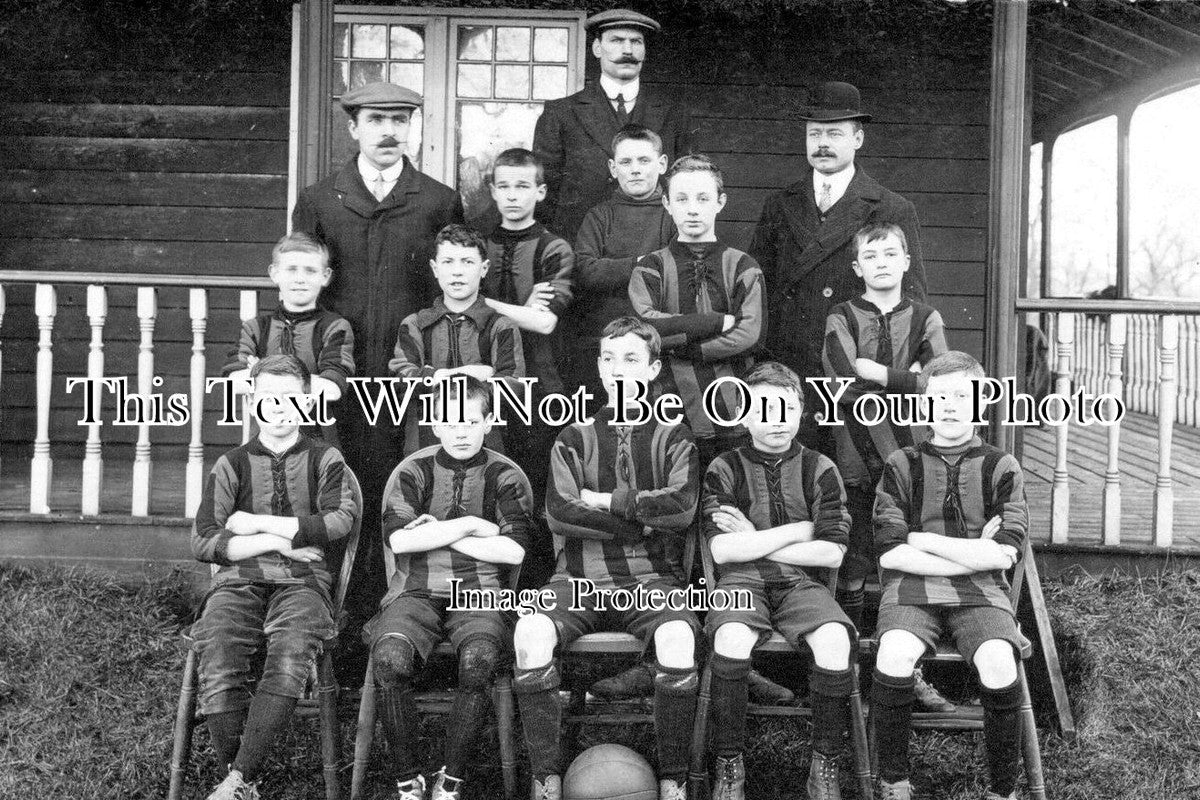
(838, 182)
(612, 88)
(368, 172)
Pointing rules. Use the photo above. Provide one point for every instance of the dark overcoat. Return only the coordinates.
(806, 261)
(573, 138)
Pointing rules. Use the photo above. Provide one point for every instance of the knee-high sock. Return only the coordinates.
(1002, 736)
(477, 659)
(829, 693)
(674, 716)
(397, 709)
(729, 696)
(893, 699)
(269, 714)
(225, 729)
(541, 717)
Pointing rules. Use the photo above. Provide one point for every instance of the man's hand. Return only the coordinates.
(305, 554)
(242, 523)
(421, 520)
(991, 528)
(728, 323)
(540, 297)
(870, 370)
(730, 519)
(600, 500)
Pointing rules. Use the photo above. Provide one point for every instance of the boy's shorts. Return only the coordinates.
(641, 622)
(970, 626)
(425, 621)
(859, 561)
(242, 619)
(795, 611)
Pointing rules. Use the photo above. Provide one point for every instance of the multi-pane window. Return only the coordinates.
(484, 80)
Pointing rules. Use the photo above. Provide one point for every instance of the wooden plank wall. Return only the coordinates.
(157, 172)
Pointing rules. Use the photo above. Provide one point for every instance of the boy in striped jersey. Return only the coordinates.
(619, 501)
(270, 511)
(706, 301)
(459, 333)
(773, 511)
(950, 520)
(456, 511)
(874, 340)
(319, 338)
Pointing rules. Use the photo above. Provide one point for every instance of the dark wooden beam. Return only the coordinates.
(1049, 48)
(314, 84)
(1062, 31)
(1186, 38)
(1121, 34)
(1070, 90)
(1064, 75)
(1006, 187)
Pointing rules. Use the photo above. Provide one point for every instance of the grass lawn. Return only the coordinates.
(89, 676)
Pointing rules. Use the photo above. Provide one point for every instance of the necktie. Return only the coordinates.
(952, 509)
(622, 111)
(377, 188)
(826, 198)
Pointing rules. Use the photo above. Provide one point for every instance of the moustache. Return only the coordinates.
(627, 60)
(821, 151)
(388, 141)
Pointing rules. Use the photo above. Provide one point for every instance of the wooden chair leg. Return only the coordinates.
(502, 701)
(1029, 740)
(330, 734)
(185, 723)
(858, 739)
(698, 769)
(364, 733)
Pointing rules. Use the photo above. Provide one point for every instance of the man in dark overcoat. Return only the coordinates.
(574, 134)
(378, 214)
(804, 241)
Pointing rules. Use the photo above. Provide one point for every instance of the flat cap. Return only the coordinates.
(620, 18)
(381, 95)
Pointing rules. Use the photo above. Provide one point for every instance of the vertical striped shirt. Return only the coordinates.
(436, 338)
(773, 489)
(518, 260)
(685, 293)
(309, 481)
(912, 496)
(911, 333)
(321, 339)
(651, 471)
(431, 481)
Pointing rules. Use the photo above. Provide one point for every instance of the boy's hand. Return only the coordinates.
(305, 554)
(728, 323)
(916, 367)
(421, 520)
(540, 296)
(600, 500)
(242, 523)
(483, 372)
(484, 528)
(730, 519)
(870, 370)
(991, 527)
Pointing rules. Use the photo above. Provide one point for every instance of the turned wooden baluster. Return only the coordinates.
(93, 460)
(194, 477)
(41, 468)
(1112, 472)
(147, 311)
(1060, 489)
(1164, 492)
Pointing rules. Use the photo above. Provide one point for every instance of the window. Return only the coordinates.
(484, 76)
(1083, 210)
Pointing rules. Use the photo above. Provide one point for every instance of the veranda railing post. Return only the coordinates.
(194, 476)
(1164, 492)
(40, 466)
(249, 310)
(93, 460)
(1, 341)
(1112, 472)
(1060, 489)
(147, 312)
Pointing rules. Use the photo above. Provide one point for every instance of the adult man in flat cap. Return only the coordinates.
(574, 134)
(378, 214)
(804, 241)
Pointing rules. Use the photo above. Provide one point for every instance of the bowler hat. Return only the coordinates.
(380, 95)
(833, 101)
(620, 18)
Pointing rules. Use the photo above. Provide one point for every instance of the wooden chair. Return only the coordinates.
(970, 717)
(322, 683)
(698, 775)
(434, 702)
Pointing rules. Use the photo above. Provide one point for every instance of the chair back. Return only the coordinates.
(345, 558)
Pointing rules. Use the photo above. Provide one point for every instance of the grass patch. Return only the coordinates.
(89, 676)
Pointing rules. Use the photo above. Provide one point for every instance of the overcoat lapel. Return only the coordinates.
(596, 117)
(844, 219)
(356, 197)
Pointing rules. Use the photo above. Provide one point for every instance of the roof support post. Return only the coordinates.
(1006, 233)
(315, 71)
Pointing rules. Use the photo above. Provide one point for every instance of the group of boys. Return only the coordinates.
(654, 299)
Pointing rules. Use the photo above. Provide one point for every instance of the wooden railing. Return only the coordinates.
(46, 309)
(1130, 349)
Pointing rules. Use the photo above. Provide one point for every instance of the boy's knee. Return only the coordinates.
(898, 653)
(830, 645)
(394, 661)
(534, 640)
(477, 662)
(735, 640)
(996, 664)
(675, 645)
